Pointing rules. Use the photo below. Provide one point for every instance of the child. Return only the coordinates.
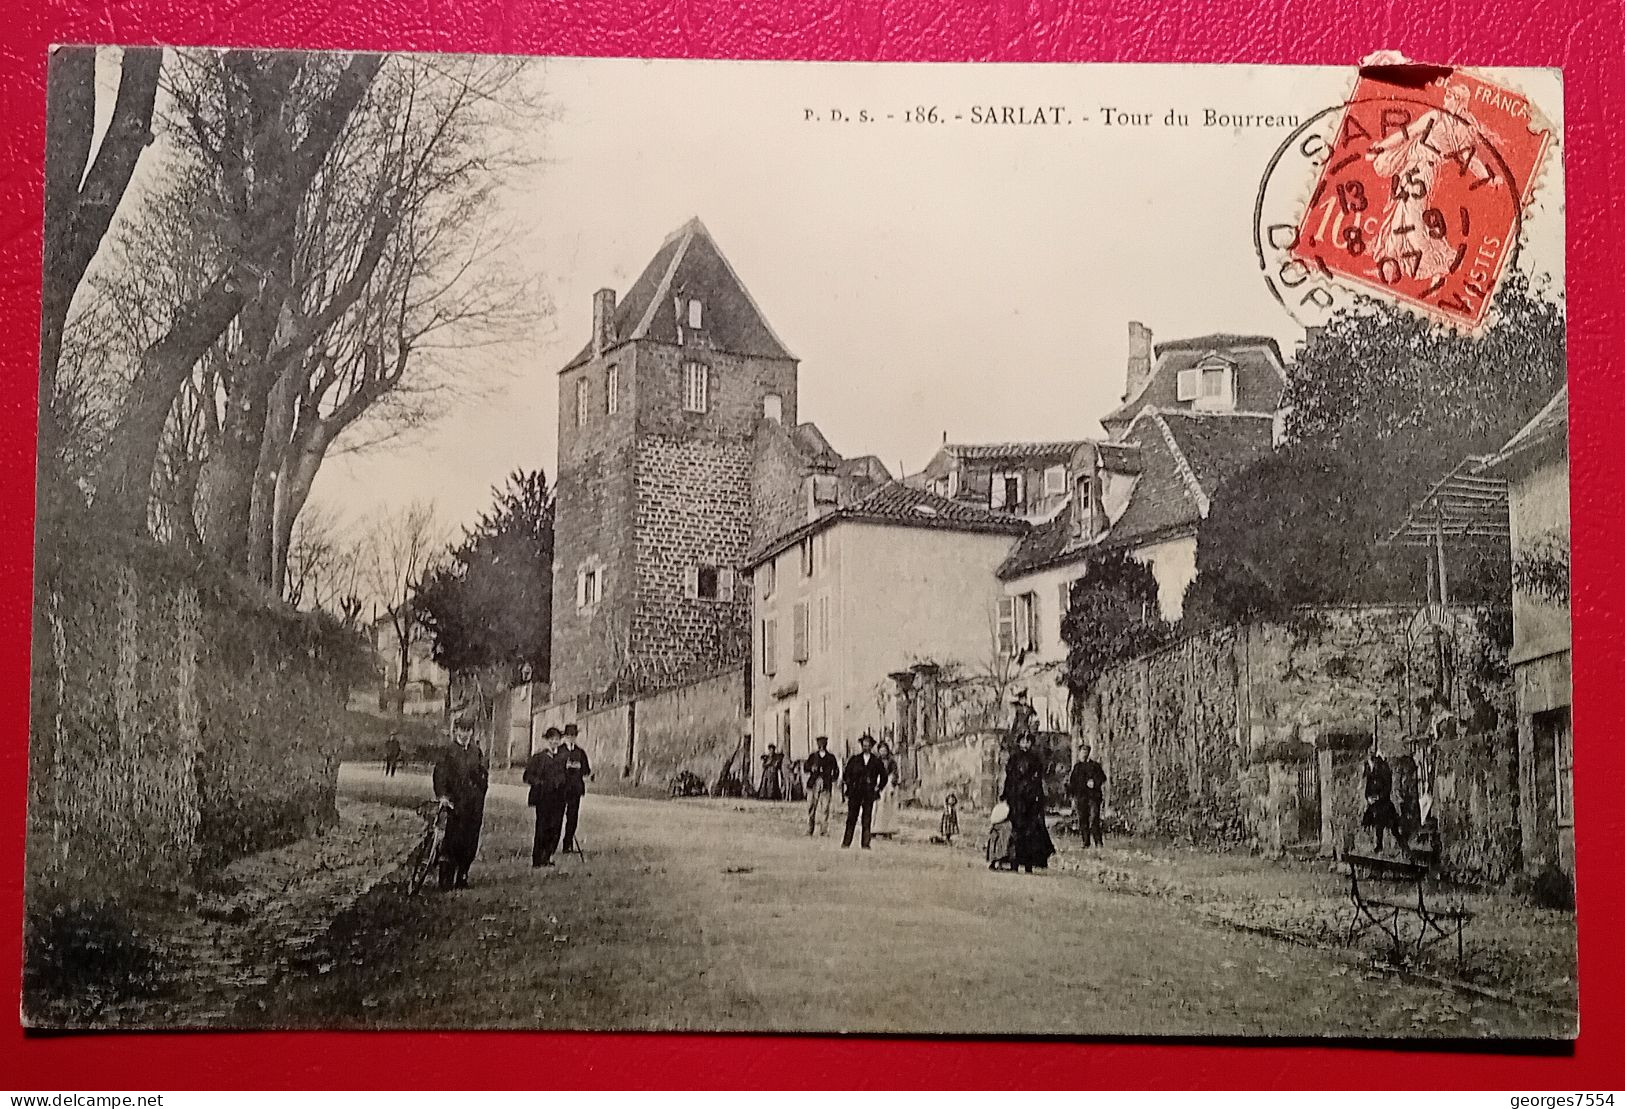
(950, 819)
(1000, 838)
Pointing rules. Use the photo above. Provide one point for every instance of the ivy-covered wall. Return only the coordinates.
(1214, 738)
(177, 720)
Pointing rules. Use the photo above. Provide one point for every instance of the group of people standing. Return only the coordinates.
(868, 780)
(557, 776)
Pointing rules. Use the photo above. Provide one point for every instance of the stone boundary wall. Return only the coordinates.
(177, 720)
(1239, 734)
(649, 739)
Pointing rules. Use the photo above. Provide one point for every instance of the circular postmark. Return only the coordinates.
(1414, 195)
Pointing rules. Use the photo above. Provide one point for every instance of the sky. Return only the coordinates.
(959, 279)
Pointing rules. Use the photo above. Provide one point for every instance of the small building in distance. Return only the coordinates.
(1023, 479)
(1206, 373)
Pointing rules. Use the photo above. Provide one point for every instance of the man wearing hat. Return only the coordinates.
(461, 778)
(549, 784)
(820, 772)
(862, 782)
(577, 769)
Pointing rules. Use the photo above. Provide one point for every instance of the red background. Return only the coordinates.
(1582, 37)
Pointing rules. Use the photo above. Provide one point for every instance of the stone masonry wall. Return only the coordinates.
(693, 508)
(1211, 737)
(778, 492)
(175, 722)
(593, 520)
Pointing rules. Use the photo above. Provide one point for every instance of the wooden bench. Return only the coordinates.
(1385, 912)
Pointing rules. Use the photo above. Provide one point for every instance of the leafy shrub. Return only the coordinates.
(84, 956)
(1553, 889)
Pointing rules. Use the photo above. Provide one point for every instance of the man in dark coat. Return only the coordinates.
(577, 769)
(862, 782)
(821, 772)
(1380, 815)
(392, 754)
(1085, 786)
(461, 778)
(548, 780)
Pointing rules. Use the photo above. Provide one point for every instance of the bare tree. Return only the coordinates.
(402, 549)
(268, 131)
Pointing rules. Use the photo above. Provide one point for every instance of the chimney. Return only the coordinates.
(603, 320)
(822, 489)
(1311, 335)
(1140, 358)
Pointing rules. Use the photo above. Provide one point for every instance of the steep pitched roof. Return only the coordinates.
(1182, 458)
(897, 504)
(1260, 379)
(689, 264)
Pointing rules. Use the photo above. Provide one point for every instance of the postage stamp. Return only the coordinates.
(1418, 194)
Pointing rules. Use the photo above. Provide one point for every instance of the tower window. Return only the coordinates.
(696, 314)
(696, 387)
(612, 390)
(773, 407)
(582, 392)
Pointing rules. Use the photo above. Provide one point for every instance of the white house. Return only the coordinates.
(840, 602)
(1147, 495)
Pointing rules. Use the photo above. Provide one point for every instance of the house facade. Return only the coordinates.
(1145, 495)
(1022, 479)
(1534, 463)
(898, 574)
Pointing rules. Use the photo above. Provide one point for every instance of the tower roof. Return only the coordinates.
(689, 265)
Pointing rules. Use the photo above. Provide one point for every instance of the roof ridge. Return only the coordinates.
(662, 290)
(1182, 464)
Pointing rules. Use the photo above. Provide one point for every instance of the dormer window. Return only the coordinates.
(1209, 385)
(696, 314)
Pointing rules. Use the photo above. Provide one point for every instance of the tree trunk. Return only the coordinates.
(234, 460)
(124, 482)
(79, 205)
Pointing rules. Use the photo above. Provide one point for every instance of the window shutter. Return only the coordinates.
(996, 494)
(770, 647)
(1066, 598)
(1189, 385)
(1032, 623)
(581, 589)
(691, 582)
(1055, 480)
(799, 632)
(1007, 626)
(725, 583)
(696, 318)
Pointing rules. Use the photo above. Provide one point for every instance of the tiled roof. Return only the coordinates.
(689, 264)
(1217, 445)
(898, 504)
(1182, 459)
(1259, 379)
(1033, 451)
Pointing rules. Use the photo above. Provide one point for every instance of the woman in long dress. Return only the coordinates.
(1024, 793)
(886, 806)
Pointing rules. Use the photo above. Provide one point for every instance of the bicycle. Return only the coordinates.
(425, 857)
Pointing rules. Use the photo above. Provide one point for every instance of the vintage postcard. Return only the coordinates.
(666, 545)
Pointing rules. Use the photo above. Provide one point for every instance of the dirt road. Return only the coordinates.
(717, 914)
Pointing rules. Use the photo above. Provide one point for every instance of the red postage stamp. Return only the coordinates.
(1422, 193)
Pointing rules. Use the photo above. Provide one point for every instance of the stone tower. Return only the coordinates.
(657, 419)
